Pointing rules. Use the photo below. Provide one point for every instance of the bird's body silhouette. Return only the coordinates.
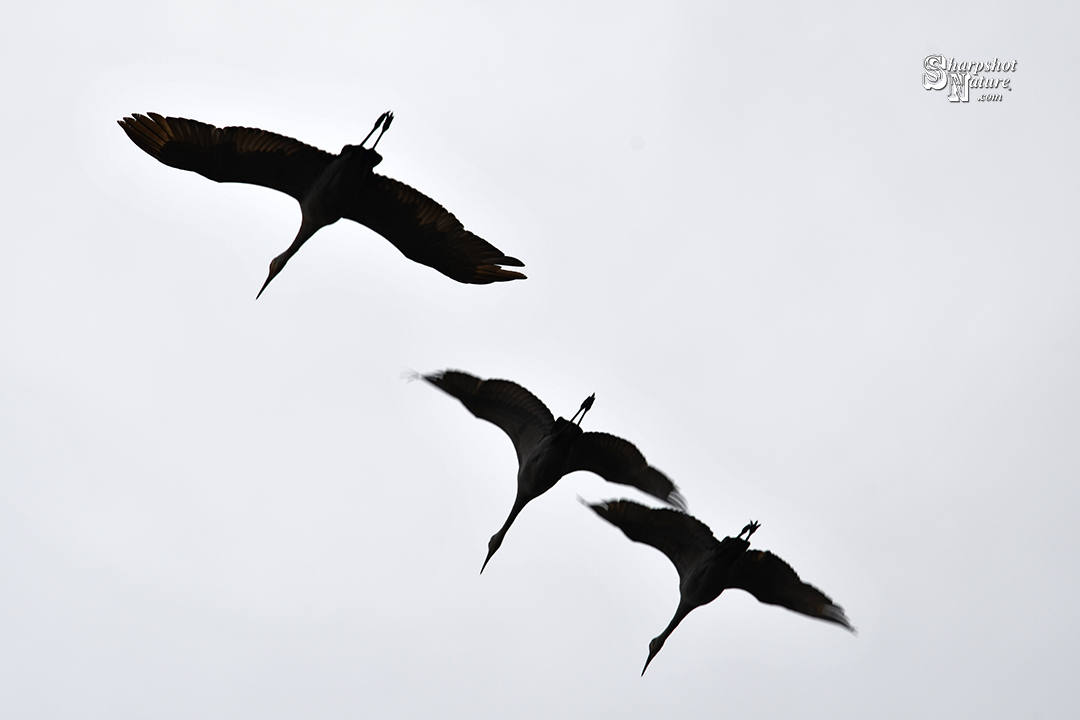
(328, 188)
(708, 566)
(549, 448)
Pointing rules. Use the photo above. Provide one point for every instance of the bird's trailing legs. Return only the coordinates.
(585, 405)
(384, 120)
(378, 123)
(749, 530)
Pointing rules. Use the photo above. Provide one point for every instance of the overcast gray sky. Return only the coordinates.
(812, 292)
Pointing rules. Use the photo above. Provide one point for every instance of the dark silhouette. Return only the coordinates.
(328, 188)
(708, 566)
(548, 448)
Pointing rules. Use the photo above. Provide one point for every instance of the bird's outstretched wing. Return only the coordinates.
(517, 411)
(427, 233)
(679, 536)
(773, 581)
(619, 461)
(231, 154)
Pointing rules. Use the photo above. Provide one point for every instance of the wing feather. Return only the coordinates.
(773, 581)
(231, 154)
(519, 413)
(427, 233)
(619, 461)
(679, 536)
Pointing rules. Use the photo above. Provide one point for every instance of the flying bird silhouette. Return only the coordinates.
(708, 566)
(549, 448)
(328, 188)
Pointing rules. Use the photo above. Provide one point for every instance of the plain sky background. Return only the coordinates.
(812, 292)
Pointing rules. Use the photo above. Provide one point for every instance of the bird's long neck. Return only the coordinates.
(682, 612)
(307, 229)
(658, 641)
(496, 540)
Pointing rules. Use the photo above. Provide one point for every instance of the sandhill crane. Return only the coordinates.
(708, 566)
(548, 448)
(328, 188)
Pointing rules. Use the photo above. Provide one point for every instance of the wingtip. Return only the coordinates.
(432, 377)
(486, 274)
(596, 508)
(678, 501)
(836, 614)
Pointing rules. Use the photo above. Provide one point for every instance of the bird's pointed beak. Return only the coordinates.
(654, 648)
(496, 540)
(268, 279)
(275, 267)
(651, 656)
